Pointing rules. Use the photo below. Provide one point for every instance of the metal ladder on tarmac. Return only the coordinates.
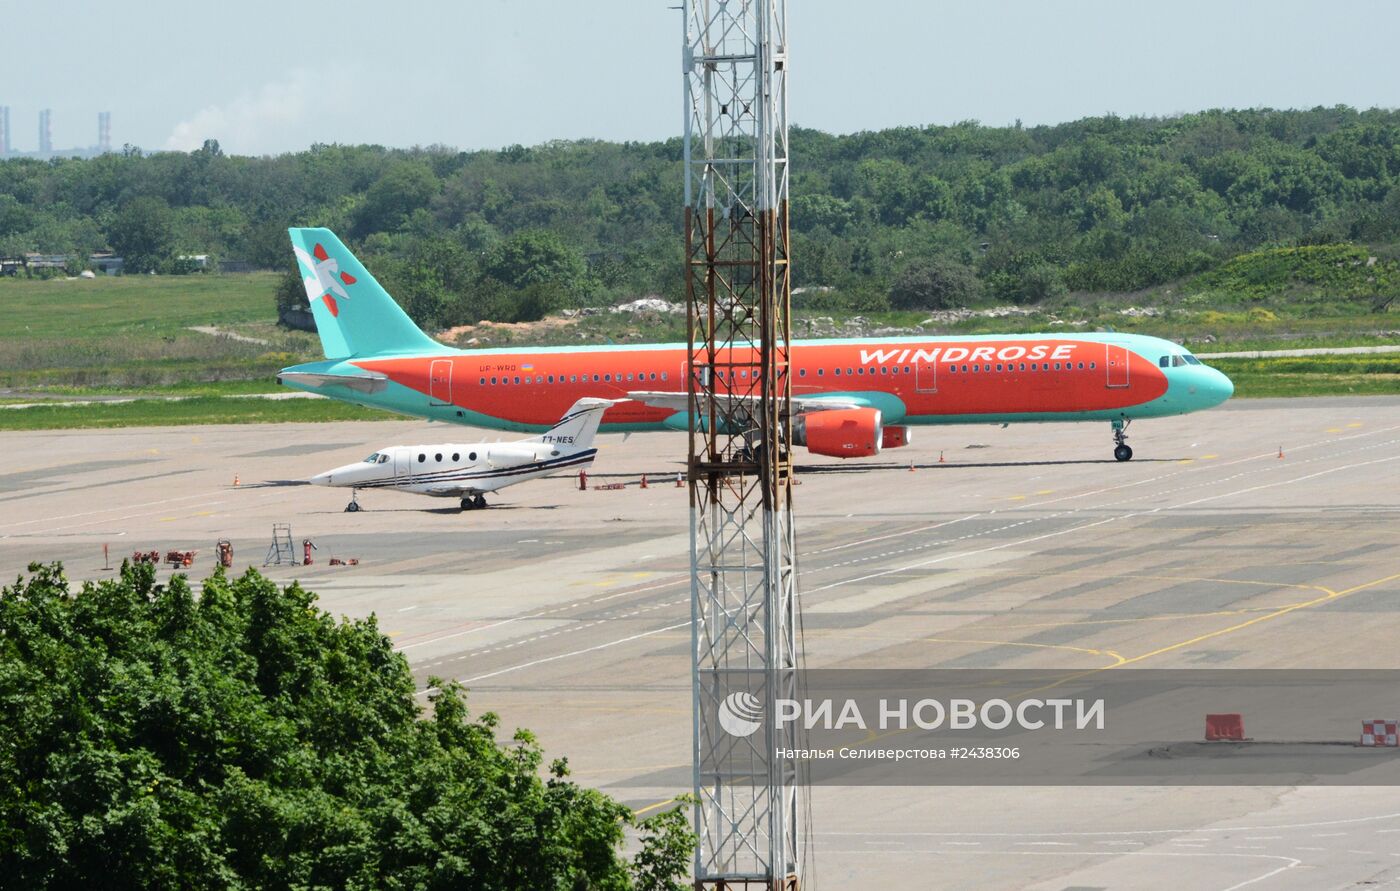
(280, 551)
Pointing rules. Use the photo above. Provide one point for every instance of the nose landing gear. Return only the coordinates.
(354, 505)
(1121, 451)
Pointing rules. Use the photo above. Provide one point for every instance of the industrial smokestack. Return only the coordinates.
(104, 132)
(45, 132)
(4, 131)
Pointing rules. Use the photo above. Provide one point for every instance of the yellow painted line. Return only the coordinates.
(1208, 457)
(1119, 660)
(204, 513)
(1355, 424)
(395, 633)
(1046, 492)
(1334, 429)
(1281, 611)
(167, 519)
(651, 807)
(1016, 498)
(1187, 461)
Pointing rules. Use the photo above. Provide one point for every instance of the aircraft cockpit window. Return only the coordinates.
(1191, 360)
(372, 458)
(1178, 361)
(383, 459)
(1165, 361)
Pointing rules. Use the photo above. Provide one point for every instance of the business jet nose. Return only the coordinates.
(321, 479)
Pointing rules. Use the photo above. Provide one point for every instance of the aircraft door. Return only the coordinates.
(1116, 364)
(440, 382)
(403, 466)
(926, 376)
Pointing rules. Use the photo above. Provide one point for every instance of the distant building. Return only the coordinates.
(46, 132)
(4, 131)
(108, 262)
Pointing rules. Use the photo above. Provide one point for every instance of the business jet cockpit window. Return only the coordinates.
(1178, 361)
(373, 459)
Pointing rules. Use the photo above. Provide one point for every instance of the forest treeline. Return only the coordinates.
(915, 217)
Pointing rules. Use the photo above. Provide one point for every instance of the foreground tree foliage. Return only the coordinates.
(243, 738)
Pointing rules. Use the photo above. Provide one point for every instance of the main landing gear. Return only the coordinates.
(1122, 451)
(473, 502)
(354, 505)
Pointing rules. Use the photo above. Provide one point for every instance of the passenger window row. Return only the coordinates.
(640, 376)
(456, 456)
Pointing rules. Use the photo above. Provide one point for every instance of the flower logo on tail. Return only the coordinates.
(326, 281)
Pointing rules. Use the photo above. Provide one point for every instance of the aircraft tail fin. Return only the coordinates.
(579, 424)
(355, 317)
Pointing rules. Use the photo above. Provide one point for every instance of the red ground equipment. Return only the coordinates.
(224, 548)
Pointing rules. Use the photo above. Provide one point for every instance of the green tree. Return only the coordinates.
(143, 232)
(933, 283)
(245, 739)
(536, 257)
(404, 188)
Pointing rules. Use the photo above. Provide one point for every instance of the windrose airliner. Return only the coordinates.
(851, 398)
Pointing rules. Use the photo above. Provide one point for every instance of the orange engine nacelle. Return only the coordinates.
(843, 433)
(894, 437)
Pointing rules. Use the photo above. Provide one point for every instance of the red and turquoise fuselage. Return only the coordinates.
(910, 380)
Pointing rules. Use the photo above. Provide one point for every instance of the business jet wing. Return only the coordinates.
(801, 404)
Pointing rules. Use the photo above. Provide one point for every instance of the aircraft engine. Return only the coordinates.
(895, 437)
(499, 456)
(842, 433)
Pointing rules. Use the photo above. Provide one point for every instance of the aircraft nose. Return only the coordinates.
(1219, 387)
(321, 479)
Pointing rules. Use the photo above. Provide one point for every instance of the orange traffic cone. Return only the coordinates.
(940, 456)
(235, 479)
(644, 482)
(911, 465)
(1280, 453)
(680, 483)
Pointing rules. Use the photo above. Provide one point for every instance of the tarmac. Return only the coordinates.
(1262, 534)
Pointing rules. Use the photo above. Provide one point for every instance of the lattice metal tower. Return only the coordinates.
(744, 620)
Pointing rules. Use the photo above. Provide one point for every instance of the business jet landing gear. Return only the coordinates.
(473, 502)
(1122, 451)
(354, 505)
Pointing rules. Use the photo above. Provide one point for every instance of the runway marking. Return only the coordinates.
(1078, 833)
(1282, 611)
(404, 609)
(1001, 643)
(557, 657)
(651, 807)
(943, 558)
(1289, 862)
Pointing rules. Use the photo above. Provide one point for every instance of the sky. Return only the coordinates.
(268, 77)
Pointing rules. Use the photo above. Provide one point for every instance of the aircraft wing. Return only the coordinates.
(369, 382)
(801, 404)
(454, 490)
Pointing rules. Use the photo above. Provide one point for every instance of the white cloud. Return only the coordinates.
(257, 122)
